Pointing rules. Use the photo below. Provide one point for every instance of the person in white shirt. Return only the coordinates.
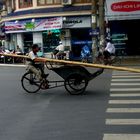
(109, 49)
(35, 67)
(60, 48)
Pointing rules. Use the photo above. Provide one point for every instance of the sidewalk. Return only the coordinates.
(131, 61)
(127, 61)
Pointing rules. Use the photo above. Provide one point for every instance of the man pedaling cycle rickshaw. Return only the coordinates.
(36, 67)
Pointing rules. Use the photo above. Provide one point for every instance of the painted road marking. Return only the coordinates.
(123, 110)
(124, 101)
(122, 121)
(121, 137)
(125, 95)
(124, 89)
(122, 80)
(126, 76)
(125, 84)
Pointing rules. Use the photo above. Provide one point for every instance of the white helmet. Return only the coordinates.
(60, 42)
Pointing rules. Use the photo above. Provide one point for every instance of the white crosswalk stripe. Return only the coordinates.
(125, 95)
(123, 121)
(127, 80)
(125, 84)
(126, 76)
(125, 89)
(123, 110)
(121, 137)
(124, 101)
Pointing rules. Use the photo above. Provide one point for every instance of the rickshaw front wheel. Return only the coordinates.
(30, 82)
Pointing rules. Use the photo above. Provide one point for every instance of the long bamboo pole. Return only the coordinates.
(77, 63)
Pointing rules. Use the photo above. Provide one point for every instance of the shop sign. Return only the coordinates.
(94, 32)
(36, 25)
(81, 42)
(123, 9)
(77, 22)
(126, 6)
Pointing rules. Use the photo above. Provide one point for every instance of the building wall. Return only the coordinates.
(37, 38)
(35, 6)
(76, 11)
(20, 41)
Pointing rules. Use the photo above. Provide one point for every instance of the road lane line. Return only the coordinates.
(123, 110)
(125, 95)
(124, 101)
(121, 74)
(124, 89)
(122, 80)
(126, 76)
(121, 137)
(122, 121)
(125, 84)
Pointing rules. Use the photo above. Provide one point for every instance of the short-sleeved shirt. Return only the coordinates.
(60, 47)
(32, 56)
(110, 48)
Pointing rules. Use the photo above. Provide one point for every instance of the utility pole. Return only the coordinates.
(101, 22)
(94, 27)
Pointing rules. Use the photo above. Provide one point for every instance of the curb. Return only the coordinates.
(12, 65)
(23, 65)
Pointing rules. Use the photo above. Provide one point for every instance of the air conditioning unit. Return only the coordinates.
(66, 2)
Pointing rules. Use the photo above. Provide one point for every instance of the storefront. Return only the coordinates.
(123, 18)
(44, 32)
(79, 31)
(72, 31)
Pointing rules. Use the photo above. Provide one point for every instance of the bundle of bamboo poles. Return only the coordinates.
(77, 63)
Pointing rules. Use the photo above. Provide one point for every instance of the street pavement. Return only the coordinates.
(51, 114)
(109, 109)
(123, 111)
(131, 61)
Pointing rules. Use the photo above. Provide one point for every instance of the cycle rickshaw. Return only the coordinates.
(75, 76)
(75, 79)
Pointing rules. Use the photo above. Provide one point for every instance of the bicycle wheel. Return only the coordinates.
(75, 84)
(30, 83)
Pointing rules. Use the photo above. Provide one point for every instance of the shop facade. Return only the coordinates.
(24, 33)
(73, 31)
(123, 20)
(79, 28)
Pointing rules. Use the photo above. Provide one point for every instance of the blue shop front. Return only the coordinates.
(79, 31)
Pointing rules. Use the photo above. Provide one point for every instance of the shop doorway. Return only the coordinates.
(79, 37)
(129, 31)
(51, 39)
(28, 41)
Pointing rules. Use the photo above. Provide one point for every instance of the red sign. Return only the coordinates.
(126, 6)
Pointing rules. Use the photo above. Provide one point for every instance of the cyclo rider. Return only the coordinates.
(85, 53)
(33, 63)
(109, 50)
(59, 51)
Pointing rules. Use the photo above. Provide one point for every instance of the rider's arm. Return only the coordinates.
(32, 56)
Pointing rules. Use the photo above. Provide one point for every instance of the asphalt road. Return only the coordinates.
(52, 114)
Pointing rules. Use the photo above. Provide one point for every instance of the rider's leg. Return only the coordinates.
(107, 58)
(36, 71)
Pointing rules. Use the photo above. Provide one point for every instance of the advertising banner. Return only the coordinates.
(33, 25)
(123, 9)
